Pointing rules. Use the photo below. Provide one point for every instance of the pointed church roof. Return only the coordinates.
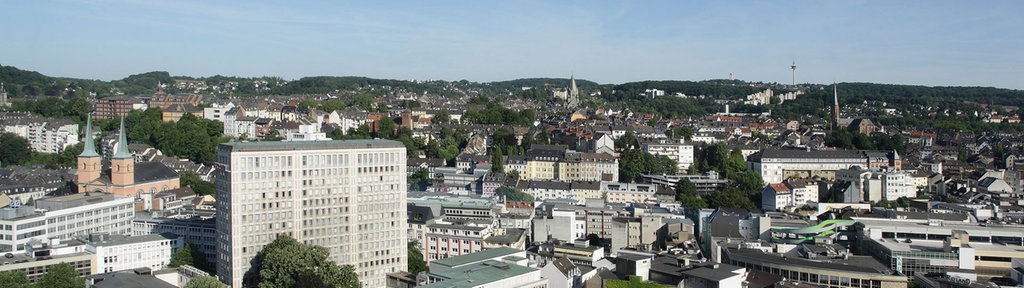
(89, 149)
(572, 79)
(122, 143)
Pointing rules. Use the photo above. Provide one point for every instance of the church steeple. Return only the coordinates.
(89, 149)
(89, 166)
(122, 144)
(122, 164)
(835, 106)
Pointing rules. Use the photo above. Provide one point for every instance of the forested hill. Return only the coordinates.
(22, 83)
(541, 83)
(912, 94)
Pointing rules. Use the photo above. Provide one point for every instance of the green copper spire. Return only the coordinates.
(122, 144)
(90, 149)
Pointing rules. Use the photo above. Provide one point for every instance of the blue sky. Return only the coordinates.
(935, 43)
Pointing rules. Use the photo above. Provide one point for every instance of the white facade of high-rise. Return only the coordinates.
(347, 196)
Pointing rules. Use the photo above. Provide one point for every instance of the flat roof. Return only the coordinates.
(477, 256)
(916, 245)
(922, 227)
(710, 274)
(857, 264)
(479, 274)
(311, 145)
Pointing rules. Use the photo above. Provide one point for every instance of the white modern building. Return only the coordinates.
(122, 252)
(346, 196)
(216, 111)
(65, 217)
(307, 132)
(876, 185)
(675, 149)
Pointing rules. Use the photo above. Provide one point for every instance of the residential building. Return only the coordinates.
(343, 195)
(675, 149)
(629, 192)
(110, 107)
(875, 185)
(44, 135)
(637, 233)
(788, 195)
(217, 111)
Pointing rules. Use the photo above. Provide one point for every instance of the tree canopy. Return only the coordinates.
(287, 263)
(205, 282)
(61, 276)
(14, 279)
(636, 162)
(416, 262)
(192, 256)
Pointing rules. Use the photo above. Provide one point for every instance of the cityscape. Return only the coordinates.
(631, 173)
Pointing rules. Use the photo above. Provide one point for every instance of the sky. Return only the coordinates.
(934, 43)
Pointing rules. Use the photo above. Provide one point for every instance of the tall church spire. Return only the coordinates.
(122, 143)
(835, 105)
(89, 149)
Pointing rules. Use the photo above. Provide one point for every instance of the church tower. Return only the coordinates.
(573, 98)
(835, 106)
(89, 161)
(122, 164)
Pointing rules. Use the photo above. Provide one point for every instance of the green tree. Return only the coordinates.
(636, 162)
(201, 187)
(512, 194)
(14, 279)
(61, 276)
(182, 257)
(686, 187)
(285, 261)
(497, 161)
(686, 192)
(364, 101)
(442, 117)
(386, 127)
(205, 282)
(192, 256)
(626, 141)
(730, 197)
(14, 150)
(416, 262)
(419, 179)
(633, 282)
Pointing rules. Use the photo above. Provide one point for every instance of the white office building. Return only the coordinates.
(121, 252)
(64, 218)
(347, 196)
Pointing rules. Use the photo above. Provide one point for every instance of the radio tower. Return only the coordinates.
(794, 72)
